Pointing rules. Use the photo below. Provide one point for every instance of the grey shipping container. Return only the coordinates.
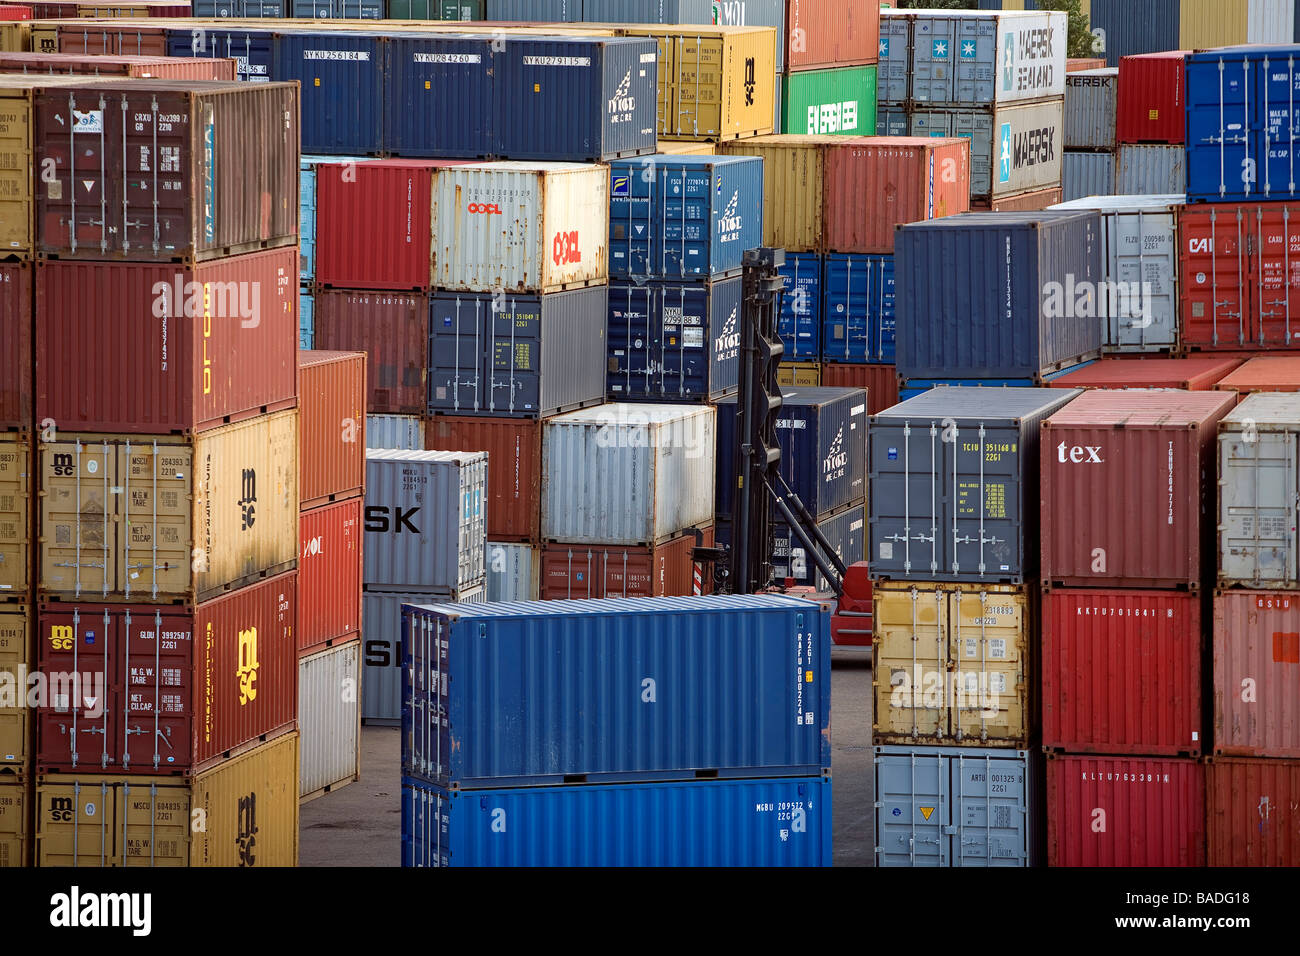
(893, 121)
(513, 571)
(547, 11)
(520, 355)
(381, 649)
(956, 806)
(730, 13)
(329, 719)
(426, 520)
(997, 295)
(338, 9)
(1148, 170)
(894, 68)
(953, 494)
(844, 532)
(404, 432)
(1087, 174)
(1090, 108)
(1139, 261)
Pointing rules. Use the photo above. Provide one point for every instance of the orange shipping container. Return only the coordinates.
(514, 448)
(332, 426)
(329, 574)
(1076, 63)
(1266, 373)
(1256, 665)
(880, 381)
(157, 67)
(829, 33)
(1253, 812)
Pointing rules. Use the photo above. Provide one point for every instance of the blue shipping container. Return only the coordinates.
(1000, 295)
(638, 689)
(782, 821)
(822, 433)
(306, 220)
(845, 532)
(244, 9)
(800, 322)
(251, 49)
(858, 309)
(342, 79)
(914, 387)
(306, 319)
(674, 341)
(676, 216)
(438, 96)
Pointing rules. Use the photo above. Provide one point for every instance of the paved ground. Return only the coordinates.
(361, 824)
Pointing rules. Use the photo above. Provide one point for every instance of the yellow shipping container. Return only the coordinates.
(15, 834)
(158, 518)
(686, 147)
(806, 374)
(715, 82)
(44, 36)
(15, 657)
(15, 515)
(244, 812)
(951, 665)
(15, 36)
(1210, 23)
(794, 174)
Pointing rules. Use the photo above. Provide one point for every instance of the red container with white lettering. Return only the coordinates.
(329, 575)
(1149, 102)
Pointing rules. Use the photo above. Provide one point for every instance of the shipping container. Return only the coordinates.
(1150, 170)
(1149, 104)
(685, 147)
(580, 571)
(674, 341)
(830, 33)
(1032, 201)
(1193, 373)
(1075, 64)
(912, 387)
(839, 102)
(725, 662)
(249, 805)
(250, 49)
(987, 803)
(140, 67)
(513, 571)
(1090, 108)
(435, 9)
(880, 381)
(845, 532)
(168, 690)
(822, 434)
(954, 664)
(1255, 650)
(230, 185)
(17, 36)
(997, 295)
(1013, 149)
(342, 9)
(858, 308)
(166, 518)
(307, 204)
(329, 574)
(924, 493)
(498, 354)
(242, 9)
(16, 315)
(432, 82)
(16, 661)
(803, 374)
(773, 822)
(341, 74)
(1251, 812)
(1138, 304)
(1121, 672)
(329, 719)
(17, 490)
(554, 11)
(393, 330)
(331, 426)
(1122, 28)
(800, 321)
(794, 170)
(395, 431)
(1263, 373)
(15, 833)
(674, 217)
(1085, 174)
(425, 520)
(521, 227)
(1271, 21)
(87, 37)
(381, 673)
(119, 374)
(306, 319)
(737, 13)
(627, 474)
(514, 478)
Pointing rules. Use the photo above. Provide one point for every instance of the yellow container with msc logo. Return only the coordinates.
(804, 374)
(952, 665)
(15, 656)
(15, 834)
(168, 518)
(16, 488)
(243, 812)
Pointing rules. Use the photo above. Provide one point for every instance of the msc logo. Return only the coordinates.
(749, 81)
(837, 459)
(564, 248)
(247, 666)
(61, 637)
(62, 809)
(63, 464)
(487, 209)
(619, 185)
(727, 343)
(377, 519)
(1087, 454)
(622, 102)
(729, 223)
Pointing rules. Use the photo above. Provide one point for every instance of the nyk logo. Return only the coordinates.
(729, 223)
(1087, 454)
(836, 459)
(622, 101)
(488, 209)
(377, 519)
(727, 344)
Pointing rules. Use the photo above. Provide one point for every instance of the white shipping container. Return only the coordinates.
(513, 571)
(1140, 261)
(1090, 108)
(520, 227)
(404, 432)
(1150, 170)
(1270, 21)
(1087, 174)
(627, 474)
(329, 719)
(426, 520)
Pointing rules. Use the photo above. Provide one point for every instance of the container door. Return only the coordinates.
(16, 488)
(156, 496)
(976, 56)
(1215, 276)
(981, 477)
(78, 730)
(457, 327)
(155, 658)
(682, 322)
(15, 805)
(1275, 310)
(988, 643)
(911, 656)
(978, 128)
(907, 499)
(74, 825)
(933, 73)
(684, 211)
(912, 809)
(1258, 491)
(153, 824)
(699, 91)
(1142, 308)
(990, 811)
(80, 553)
(1275, 138)
(631, 348)
(859, 309)
(426, 742)
(513, 370)
(799, 324)
(1221, 122)
(895, 66)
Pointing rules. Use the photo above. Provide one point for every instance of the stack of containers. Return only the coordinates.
(1088, 163)
(331, 488)
(997, 78)
(1127, 544)
(169, 491)
(1150, 124)
(828, 81)
(954, 561)
(1123, 28)
(1253, 777)
(491, 779)
(307, 244)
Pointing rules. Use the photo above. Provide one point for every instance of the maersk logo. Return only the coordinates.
(939, 50)
(729, 223)
(1004, 156)
(968, 49)
(621, 104)
(836, 461)
(1008, 60)
(727, 343)
(884, 47)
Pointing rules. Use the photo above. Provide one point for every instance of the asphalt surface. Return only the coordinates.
(361, 824)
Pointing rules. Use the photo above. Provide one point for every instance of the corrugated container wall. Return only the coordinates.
(139, 67)
(17, 492)
(15, 831)
(1264, 373)
(581, 571)
(1271, 21)
(794, 169)
(431, 83)
(513, 571)
(1090, 109)
(627, 474)
(1256, 648)
(738, 13)
(393, 330)
(830, 33)
(1034, 201)
(329, 718)
(395, 431)
(1085, 174)
(1251, 808)
(16, 661)
(251, 49)
(1149, 170)
(1194, 373)
(329, 574)
(550, 11)
(841, 102)
(1149, 104)
(880, 381)
(342, 80)
(16, 383)
(1122, 27)
(331, 426)
(514, 479)
(729, 656)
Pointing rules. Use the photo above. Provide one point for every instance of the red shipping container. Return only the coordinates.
(374, 226)
(12, 11)
(1121, 672)
(15, 345)
(86, 37)
(880, 381)
(1076, 63)
(874, 183)
(136, 371)
(1149, 104)
(1257, 674)
(1195, 373)
(183, 688)
(820, 34)
(329, 574)
(514, 447)
(579, 571)
(1125, 480)
(393, 330)
(1125, 811)
(1264, 373)
(1235, 260)
(1035, 201)
(331, 426)
(1253, 809)
(159, 67)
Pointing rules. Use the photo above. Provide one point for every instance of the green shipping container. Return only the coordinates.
(435, 9)
(830, 101)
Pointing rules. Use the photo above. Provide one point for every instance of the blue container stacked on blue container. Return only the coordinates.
(679, 226)
(530, 731)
